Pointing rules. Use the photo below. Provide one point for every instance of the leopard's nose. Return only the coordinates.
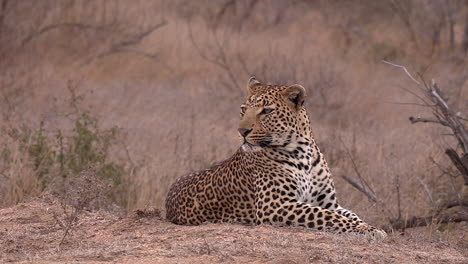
(244, 131)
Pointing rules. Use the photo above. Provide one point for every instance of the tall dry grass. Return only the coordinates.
(176, 91)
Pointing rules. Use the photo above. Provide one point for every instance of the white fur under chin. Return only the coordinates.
(250, 148)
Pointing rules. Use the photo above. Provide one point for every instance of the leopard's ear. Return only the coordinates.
(252, 85)
(295, 95)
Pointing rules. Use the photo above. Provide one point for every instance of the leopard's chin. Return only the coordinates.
(247, 147)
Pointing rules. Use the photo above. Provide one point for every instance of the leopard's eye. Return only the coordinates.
(266, 111)
(243, 109)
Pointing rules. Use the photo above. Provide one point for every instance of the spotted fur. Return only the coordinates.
(278, 176)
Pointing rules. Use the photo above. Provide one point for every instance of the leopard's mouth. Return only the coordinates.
(247, 146)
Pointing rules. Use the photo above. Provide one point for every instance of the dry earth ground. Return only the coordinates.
(30, 233)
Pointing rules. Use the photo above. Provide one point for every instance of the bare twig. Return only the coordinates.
(428, 192)
(364, 189)
(219, 59)
(415, 95)
(454, 188)
(402, 67)
(123, 46)
(72, 219)
(362, 185)
(404, 15)
(397, 187)
(48, 28)
(152, 56)
(427, 120)
(355, 167)
(403, 103)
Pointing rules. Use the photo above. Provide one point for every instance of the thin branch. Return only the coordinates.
(426, 189)
(414, 94)
(151, 56)
(48, 28)
(363, 188)
(439, 98)
(123, 46)
(400, 103)
(414, 120)
(404, 68)
(219, 59)
(224, 60)
(201, 53)
(72, 219)
(244, 65)
(397, 185)
(138, 37)
(454, 188)
(355, 167)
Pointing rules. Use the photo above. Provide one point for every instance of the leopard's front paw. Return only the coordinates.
(371, 232)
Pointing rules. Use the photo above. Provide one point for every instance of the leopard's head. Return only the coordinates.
(273, 116)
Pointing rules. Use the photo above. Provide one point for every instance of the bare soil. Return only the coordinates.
(31, 233)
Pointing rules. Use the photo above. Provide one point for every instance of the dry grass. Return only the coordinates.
(179, 108)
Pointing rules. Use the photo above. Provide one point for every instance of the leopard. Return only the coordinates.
(278, 176)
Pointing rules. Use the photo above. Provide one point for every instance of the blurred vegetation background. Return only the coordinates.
(143, 92)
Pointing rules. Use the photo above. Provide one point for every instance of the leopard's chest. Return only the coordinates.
(308, 172)
(297, 173)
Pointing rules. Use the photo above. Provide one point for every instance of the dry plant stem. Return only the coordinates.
(405, 16)
(48, 28)
(355, 167)
(360, 186)
(404, 68)
(220, 59)
(364, 189)
(124, 45)
(397, 186)
(72, 219)
(372, 196)
(426, 120)
(428, 192)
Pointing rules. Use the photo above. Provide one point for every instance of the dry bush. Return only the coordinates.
(82, 191)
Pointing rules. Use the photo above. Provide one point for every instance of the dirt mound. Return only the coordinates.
(32, 232)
